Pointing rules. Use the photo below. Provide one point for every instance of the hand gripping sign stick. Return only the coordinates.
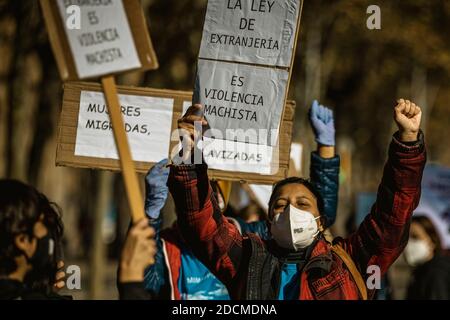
(80, 56)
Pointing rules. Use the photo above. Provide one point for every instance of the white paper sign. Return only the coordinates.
(103, 44)
(253, 31)
(238, 157)
(296, 156)
(235, 156)
(262, 193)
(241, 103)
(435, 200)
(148, 122)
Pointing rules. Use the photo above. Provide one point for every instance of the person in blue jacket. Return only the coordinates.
(177, 274)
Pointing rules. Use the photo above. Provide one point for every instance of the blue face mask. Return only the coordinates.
(45, 250)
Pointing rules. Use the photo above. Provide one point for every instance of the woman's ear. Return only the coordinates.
(321, 223)
(21, 241)
(24, 244)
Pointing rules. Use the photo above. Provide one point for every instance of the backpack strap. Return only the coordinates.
(261, 265)
(352, 268)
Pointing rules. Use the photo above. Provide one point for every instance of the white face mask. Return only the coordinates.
(294, 228)
(417, 252)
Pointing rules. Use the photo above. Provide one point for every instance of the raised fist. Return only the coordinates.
(191, 127)
(408, 116)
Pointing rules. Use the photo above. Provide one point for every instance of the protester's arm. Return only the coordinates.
(324, 168)
(156, 193)
(137, 254)
(384, 233)
(155, 276)
(212, 238)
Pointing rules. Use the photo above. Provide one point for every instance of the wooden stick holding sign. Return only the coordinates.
(126, 162)
(92, 40)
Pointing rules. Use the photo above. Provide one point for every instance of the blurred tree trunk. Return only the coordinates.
(7, 36)
(98, 257)
(313, 77)
(419, 92)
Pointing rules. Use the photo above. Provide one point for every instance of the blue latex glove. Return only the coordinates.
(156, 190)
(322, 122)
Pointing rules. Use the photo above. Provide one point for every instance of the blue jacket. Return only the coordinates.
(324, 175)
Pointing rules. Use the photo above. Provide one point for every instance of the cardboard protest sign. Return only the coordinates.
(111, 37)
(85, 137)
(253, 31)
(243, 75)
(105, 47)
(101, 38)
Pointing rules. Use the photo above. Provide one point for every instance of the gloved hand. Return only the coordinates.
(156, 190)
(322, 122)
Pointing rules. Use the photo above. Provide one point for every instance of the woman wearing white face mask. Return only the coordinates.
(431, 275)
(298, 262)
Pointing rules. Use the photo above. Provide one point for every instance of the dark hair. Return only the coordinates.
(297, 180)
(21, 206)
(429, 228)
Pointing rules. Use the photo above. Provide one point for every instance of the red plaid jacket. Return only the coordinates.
(378, 241)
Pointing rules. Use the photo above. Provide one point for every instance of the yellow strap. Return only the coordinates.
(352, 268)
(225, 188)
